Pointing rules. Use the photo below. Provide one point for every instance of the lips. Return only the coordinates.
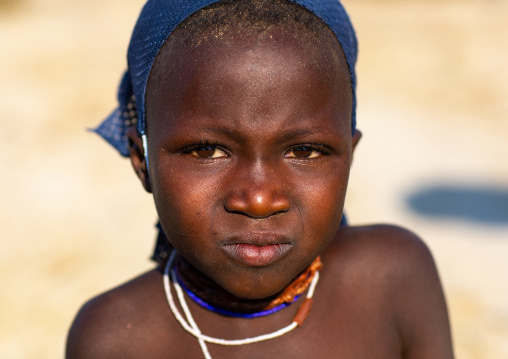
(257, 250)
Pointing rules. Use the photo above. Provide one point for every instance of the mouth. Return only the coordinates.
(257, 250)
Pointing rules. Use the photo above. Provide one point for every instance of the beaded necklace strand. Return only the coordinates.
(230, 313)
(192, 328)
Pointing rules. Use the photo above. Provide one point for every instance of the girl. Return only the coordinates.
(239, 118)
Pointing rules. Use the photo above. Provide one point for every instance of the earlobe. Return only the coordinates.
(137, 157)
(356, 138)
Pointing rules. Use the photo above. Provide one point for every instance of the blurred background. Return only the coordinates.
(433, 107)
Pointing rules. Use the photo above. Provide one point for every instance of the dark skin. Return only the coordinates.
(251, 139)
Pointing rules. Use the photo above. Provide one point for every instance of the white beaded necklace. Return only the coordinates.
(192, 328)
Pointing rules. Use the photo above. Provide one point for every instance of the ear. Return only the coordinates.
(137, 155)
(356, 138)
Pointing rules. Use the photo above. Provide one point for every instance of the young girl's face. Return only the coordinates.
(250, 148)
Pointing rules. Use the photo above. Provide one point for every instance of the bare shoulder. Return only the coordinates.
(389, 250)
(114, 324)
(396, 270)
(385, 253)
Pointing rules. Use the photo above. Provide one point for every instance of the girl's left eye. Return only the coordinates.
(208, 152)
(305, 152)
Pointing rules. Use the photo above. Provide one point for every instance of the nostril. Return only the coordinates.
(257, 205)
(255, 215)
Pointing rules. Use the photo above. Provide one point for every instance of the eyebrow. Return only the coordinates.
(286, 137)
(291, 135)
(226, 132)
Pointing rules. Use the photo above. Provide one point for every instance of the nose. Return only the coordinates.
(257, 192)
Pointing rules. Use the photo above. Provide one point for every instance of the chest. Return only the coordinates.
(348, 319)
(338, 329)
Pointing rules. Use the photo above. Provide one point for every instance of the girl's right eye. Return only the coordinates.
(207, 152)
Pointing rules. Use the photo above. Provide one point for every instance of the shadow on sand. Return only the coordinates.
(479, 204)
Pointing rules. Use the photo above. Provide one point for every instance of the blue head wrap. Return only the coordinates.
(157, 21)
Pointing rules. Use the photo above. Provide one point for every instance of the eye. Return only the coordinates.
(207, 151)
(305, 152)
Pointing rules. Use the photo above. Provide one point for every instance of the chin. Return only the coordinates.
(256, 287)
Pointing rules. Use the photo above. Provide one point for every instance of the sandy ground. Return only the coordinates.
(74, 221)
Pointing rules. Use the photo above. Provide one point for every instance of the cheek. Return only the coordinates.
(322, 200)
(184, 200)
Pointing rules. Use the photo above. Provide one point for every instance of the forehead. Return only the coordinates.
(279, 80)
(240, 57)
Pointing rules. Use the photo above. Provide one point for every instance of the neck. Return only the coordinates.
(210, 292)
(213, 294)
